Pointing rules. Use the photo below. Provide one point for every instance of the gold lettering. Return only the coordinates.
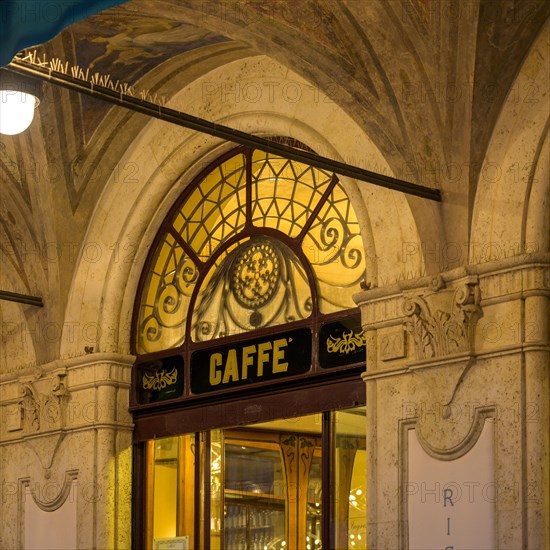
(248, 360)
(263, 356)
(215, 375)
(231, 367)
(278, 355)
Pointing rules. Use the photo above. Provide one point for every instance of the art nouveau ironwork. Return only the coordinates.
(256, 241)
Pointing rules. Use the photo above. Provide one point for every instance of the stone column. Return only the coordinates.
(458, 387)
(65, 451)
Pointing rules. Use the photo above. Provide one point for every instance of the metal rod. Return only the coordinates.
(21, 298)
(218, 130)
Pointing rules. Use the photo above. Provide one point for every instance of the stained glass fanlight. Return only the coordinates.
(256, 241)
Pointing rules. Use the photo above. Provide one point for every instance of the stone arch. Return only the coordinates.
(510, 215)
(168, 157)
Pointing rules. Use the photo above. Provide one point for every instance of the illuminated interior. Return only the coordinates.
(265, 483)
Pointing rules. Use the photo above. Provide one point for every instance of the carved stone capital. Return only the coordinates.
(30, 402)
(441, 321)
(44, 411)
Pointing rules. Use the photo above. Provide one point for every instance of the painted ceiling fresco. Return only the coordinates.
(355, 48)
(128, 46)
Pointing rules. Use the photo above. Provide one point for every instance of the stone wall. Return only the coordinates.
(65, 448)
(443, 356)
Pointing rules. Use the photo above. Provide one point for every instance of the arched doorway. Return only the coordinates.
(247, 399)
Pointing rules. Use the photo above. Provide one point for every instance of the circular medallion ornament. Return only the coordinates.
(255, 274)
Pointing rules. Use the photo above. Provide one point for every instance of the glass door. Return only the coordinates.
(295, 483)
(255, 504)
(272, 485)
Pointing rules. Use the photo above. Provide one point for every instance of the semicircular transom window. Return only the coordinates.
(256, 241)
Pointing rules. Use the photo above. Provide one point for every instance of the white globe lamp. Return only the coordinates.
(17, 104)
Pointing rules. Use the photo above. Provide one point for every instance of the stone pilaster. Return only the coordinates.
(65, 443)
(444, 355)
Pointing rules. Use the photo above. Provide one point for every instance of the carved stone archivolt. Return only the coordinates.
(442, 321)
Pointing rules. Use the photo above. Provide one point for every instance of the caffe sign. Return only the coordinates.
(208, 367)
(268, 358)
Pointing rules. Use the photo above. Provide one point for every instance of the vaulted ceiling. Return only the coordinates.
(426, 80)
(401, 68)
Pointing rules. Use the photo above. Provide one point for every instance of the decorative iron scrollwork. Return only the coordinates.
(255, 274)
(256, 282)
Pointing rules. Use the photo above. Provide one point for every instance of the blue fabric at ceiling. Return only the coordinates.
(25, 23)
